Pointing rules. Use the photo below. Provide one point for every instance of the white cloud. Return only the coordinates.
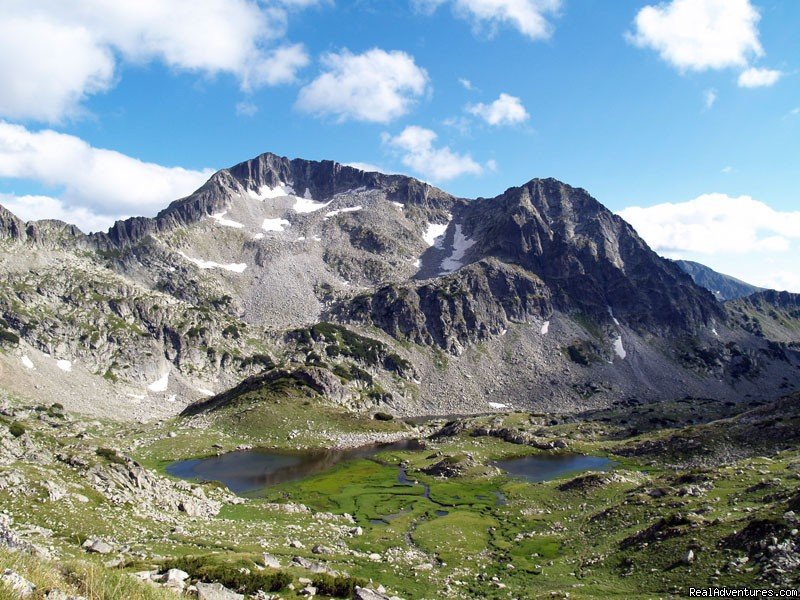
(367, 167)
(48, 81)
(739, 236)
(714, 223)
(36, 208)
(506, 110)
(105, 183)
(421, 155)
(246, 109)
(529, 17)
(709, 98)
(755, 77)
(466, 84)
(700, 34)
(65, 51)
(376, 86)
(727, 169)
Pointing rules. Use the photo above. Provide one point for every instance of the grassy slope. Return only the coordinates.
(453, 543)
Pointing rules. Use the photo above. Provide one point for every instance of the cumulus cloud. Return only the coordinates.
(506, 110)
(96, 185)
(65, 51)
(36, 208)
(420, 154)
(696, 35)
(715, 223)
(755, 77)
(739, 236)
(529, 17)
(376, 86)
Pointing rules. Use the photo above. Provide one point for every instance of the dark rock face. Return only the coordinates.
(322, 179)
(783, 300)
(724, 287)
(472, 304)
(45, 233)
(592, 260)
(10, 226)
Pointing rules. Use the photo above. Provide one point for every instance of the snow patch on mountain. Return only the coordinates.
(333, 213)
(27, 362)
(275, 224)
(545, 327)
(434, 234)
(220, 218)
(209, 264)
(267, 193)
(461, 244)
(307, 205)
(619, 349)
(64, 365)
(161, 384)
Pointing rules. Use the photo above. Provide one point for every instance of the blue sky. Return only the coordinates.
(684, 116)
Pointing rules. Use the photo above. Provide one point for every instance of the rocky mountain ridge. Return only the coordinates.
(724, 287)
(538, 297)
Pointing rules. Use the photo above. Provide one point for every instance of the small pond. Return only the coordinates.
(538, 468)
(249, 470)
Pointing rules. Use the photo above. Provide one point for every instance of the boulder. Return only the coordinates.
(369, 594)
(271, 562)
(17, 583)
(216, 591)
(97, 547)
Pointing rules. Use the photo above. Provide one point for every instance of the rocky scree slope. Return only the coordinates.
(540, 296)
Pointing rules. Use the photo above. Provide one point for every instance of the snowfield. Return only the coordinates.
(275, 224)
(220, 219)
(619, 348)
(434, 234)
(267, 193)
(208, 264)
(307, 205)
(545, 327)
(161, 384)
(64, 365)
(460, 246)
(339, 211)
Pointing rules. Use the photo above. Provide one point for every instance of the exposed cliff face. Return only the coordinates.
(11, 228)
(473, 304)
(592, 260)
(769, 314)
(47, 233)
